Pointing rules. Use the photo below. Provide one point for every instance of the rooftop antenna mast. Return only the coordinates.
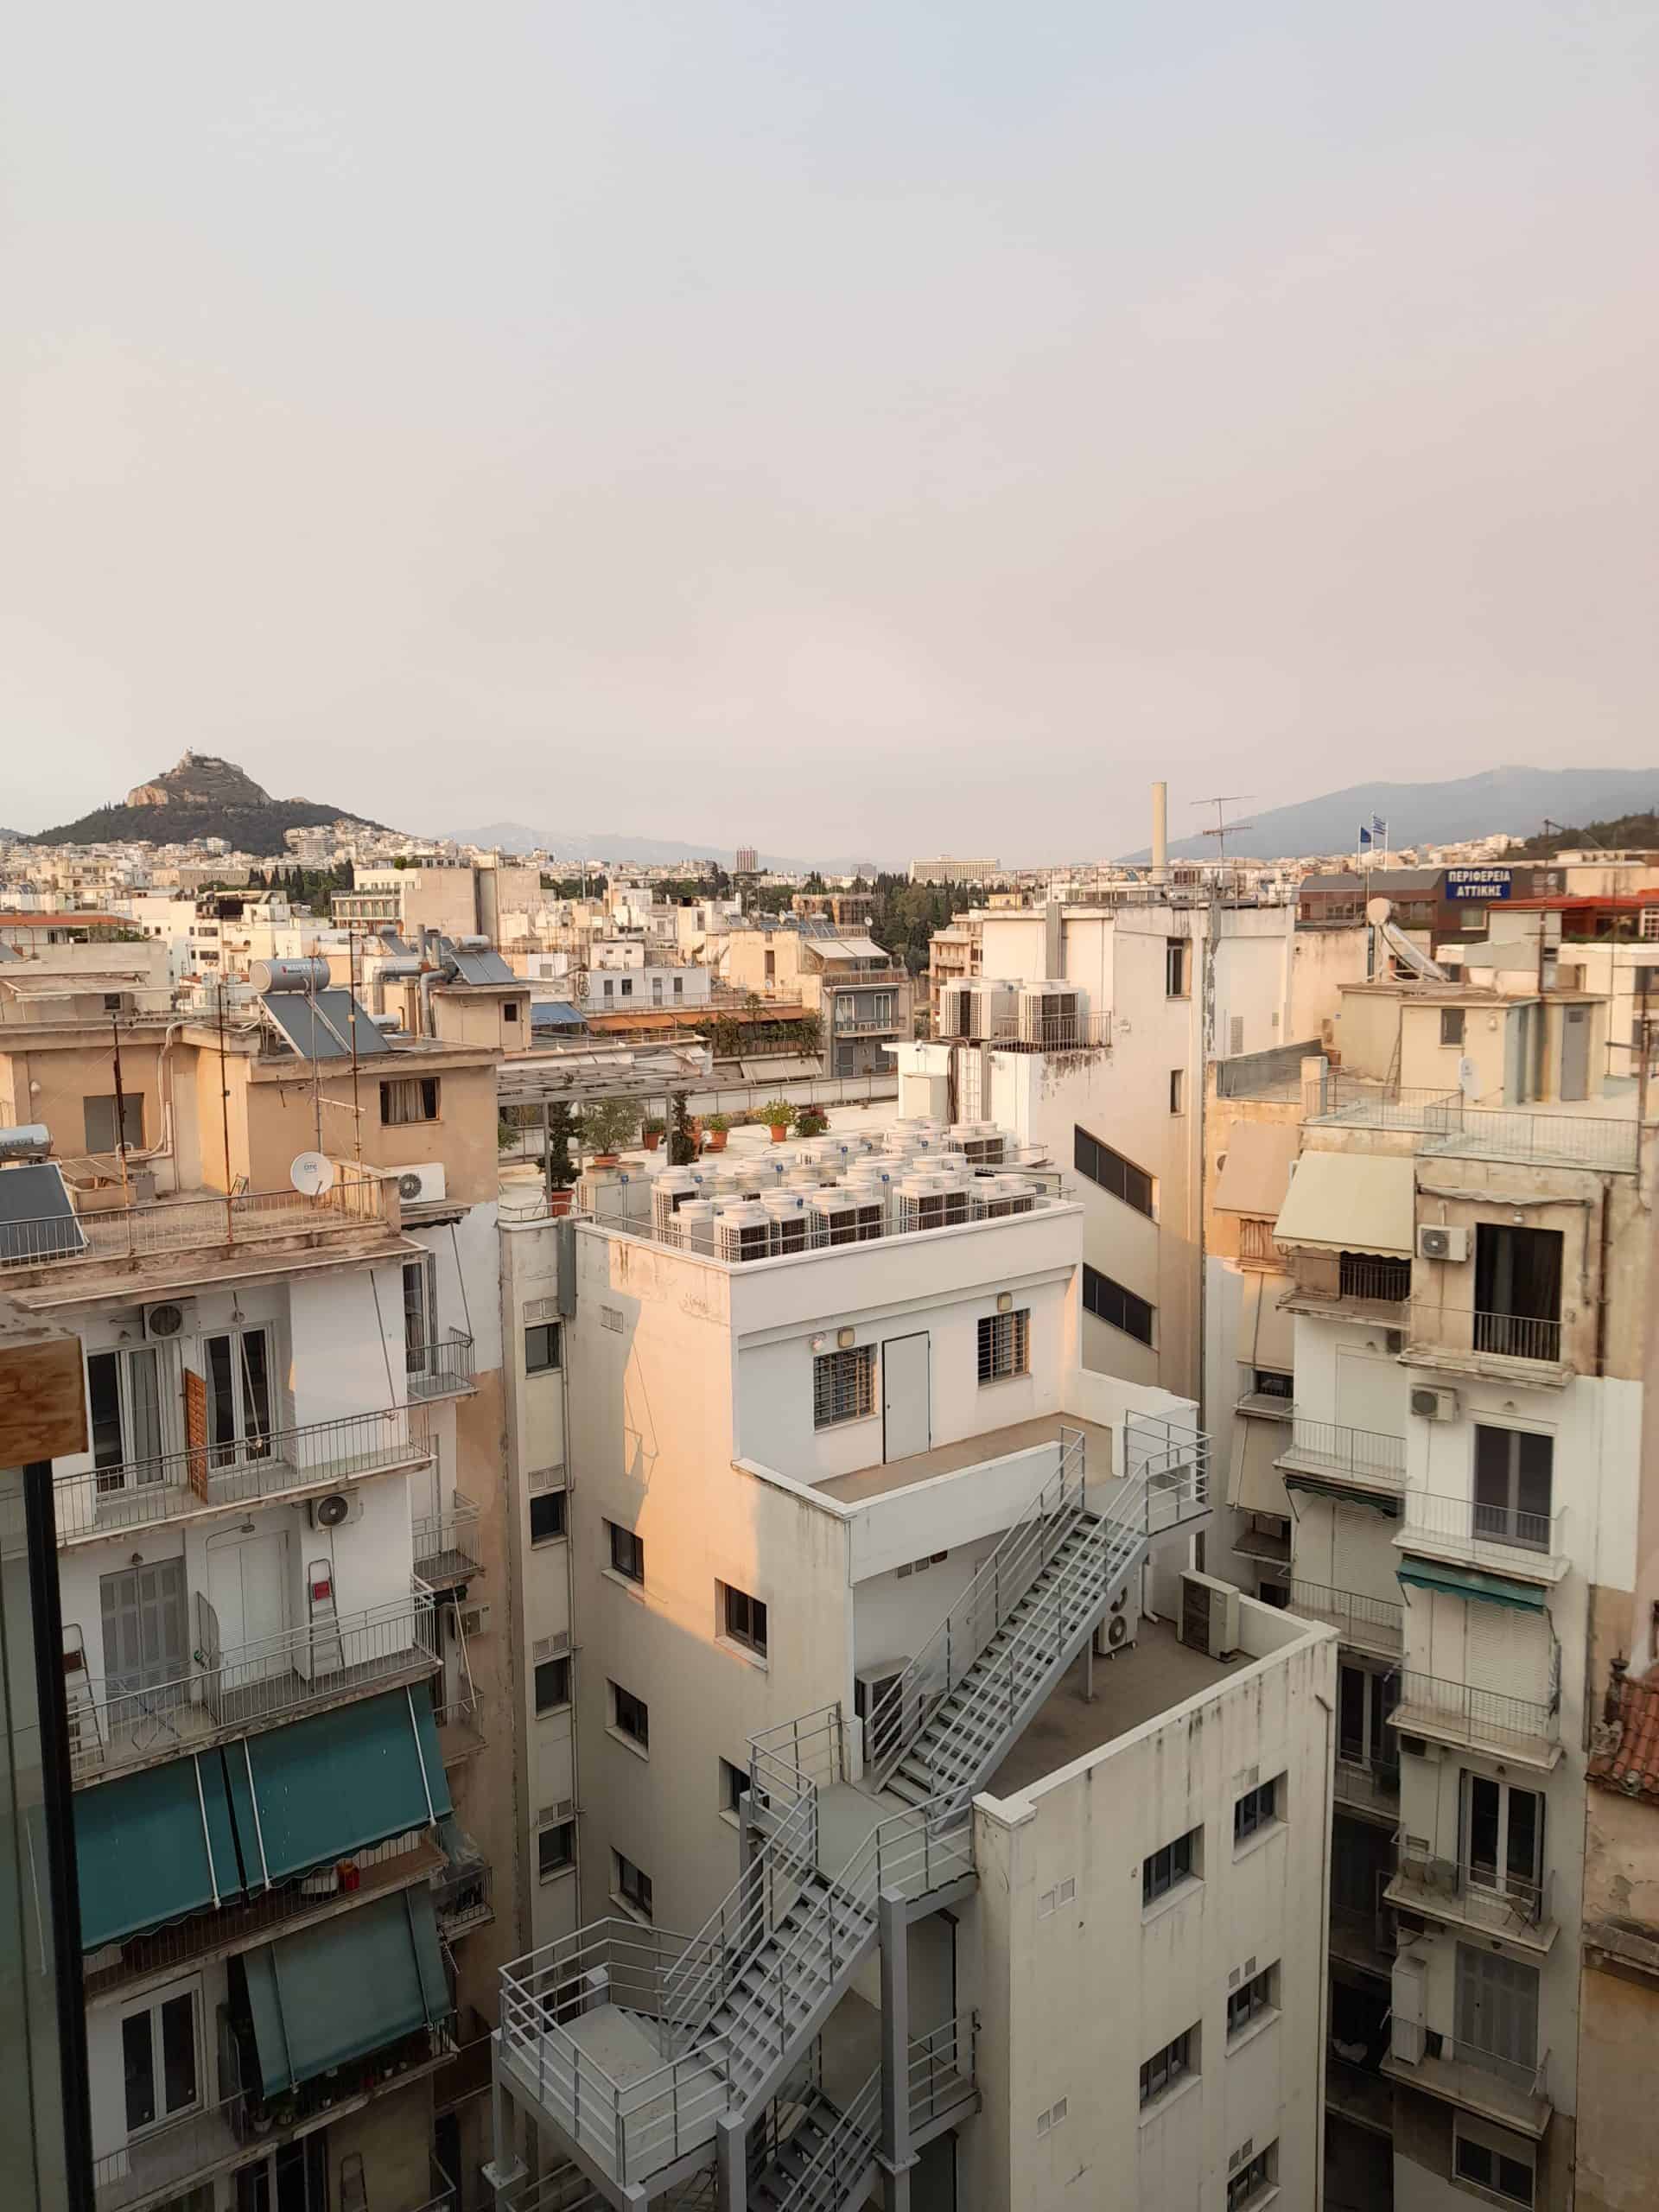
(1223, 829)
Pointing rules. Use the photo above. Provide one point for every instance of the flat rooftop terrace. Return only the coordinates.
(973, 1451)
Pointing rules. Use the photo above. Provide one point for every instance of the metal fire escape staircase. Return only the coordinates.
(732, 2013)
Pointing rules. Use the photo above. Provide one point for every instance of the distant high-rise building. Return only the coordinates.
(946, 870)
(745, 861)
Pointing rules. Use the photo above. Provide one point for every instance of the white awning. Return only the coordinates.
(1266, 1334)
(1349, 1202)
(847, 947)
(1257, 1169)
(1253, 1484)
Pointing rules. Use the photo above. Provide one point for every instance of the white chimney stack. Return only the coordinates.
(1161, 833)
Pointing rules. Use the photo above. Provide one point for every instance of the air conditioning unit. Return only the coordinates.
(1430, 1404)
(165, 1320)
(1436, 1241)
(669, 1193)
(421, 1185)
(334, 1511)
(1049, 1015)
(882, 1713)
(1209, 1615)
(1122, 1625)
(743, 1232)
(475, 1620)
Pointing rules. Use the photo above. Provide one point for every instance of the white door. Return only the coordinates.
(247, 1587)
(906, 1417)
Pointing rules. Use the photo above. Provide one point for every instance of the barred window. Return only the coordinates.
(1004, 1345)
(1112, 1171)
(1166, 2067)
(843, 1385)
(1250, 2000)
(1109, 1301)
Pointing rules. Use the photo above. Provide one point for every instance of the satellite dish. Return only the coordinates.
(1378, 910)
(311, 1174)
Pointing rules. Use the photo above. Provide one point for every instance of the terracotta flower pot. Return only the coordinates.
(716, 1139)
(779, 1131)
(605, 1159)
(653, 1138)
(558, 1204)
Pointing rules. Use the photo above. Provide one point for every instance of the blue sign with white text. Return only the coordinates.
(1478, 882)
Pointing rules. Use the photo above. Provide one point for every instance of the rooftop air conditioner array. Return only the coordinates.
(1049, 1015)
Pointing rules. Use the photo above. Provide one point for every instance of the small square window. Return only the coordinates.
(409, 1098)
(1176, 1862)
(745, 1619)
(1252, 2182)
(1257, 1809)
(547, 1519)
(510, 1010)
(1250, 2000)
(631, 1716)
(633, 1884)
(627, 1552)
(1489, 2160)
(1166, 2067)
(543, 1348)
(556, 1849)
(1004, 1345)
(552, 1685)
(1451, 1025)
(843, 1385)
(1178, 1090)
(734, 1786)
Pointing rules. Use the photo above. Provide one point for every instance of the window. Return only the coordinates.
(627, 1552)
(1514, 1477)
(547, 1522)
(1492, 2160)
(1178, 1090)
(745, 1619)
(510, 1010)
(679, 986)
(1175, 968)
(556, 1849)
(633, 1884)
(1253, 2180)
(552, 1685)
(543, 1348)
(843, 1385)
(631, 1716)
(1166, 2067)
(734, 1786)
(1451, 1025)
(1250, 2000)
(409, 1098)
(1273, 1383)
(1109, 1301)
(1176, 1862)
(1004, 1345)
(1257, 1810)
(628, 987)
(239, 1395)
(1114, 1173)
(158, 2060)
(1518, 1291)
(102, 1132)
(1503, 1837)
(1364, 1700)
(123, 1395)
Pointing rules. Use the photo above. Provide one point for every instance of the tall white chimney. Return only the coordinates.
(1161, 833)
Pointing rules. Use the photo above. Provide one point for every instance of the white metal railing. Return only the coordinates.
(1467, 1331)
(1472, 1716)
(449, 1542)
(941, 2068)
(1485, 1896)
(843, 2159)
(1331, 1447)
(1034, 1032)
(804, 1230)
(104, 1234)
(1366, 1785)
(263, 1464)
(440, 1367)
(249, 1686)
(1463, 2058)
(1373, 1623)
(1499, 1536)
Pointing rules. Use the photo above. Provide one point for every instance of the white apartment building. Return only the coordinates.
(1466, 1235)
(844, 1579)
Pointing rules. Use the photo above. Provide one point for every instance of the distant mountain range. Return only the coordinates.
(202, 797)
(574, 847)
(1513, 799)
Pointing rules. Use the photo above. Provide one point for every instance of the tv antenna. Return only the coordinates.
(1223, 829)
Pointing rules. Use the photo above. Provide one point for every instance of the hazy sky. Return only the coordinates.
(883, 427)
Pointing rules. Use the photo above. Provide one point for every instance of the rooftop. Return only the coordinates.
(1631, 1764)
(968, 1451)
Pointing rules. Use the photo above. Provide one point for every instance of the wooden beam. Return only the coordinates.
(42, 1396)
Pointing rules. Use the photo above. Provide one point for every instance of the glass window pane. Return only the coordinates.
(104, 1396)
(1351, 1704)
(179, 2052)
(143, 1377)
(1525, 1826)
(138, 2067)
(1483, 1822)
(256, 1384)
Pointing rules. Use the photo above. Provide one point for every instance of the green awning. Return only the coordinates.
(345, 1988)
(153, 1846)
(1466, 1582)
(344, 1780)
(1332, 1486)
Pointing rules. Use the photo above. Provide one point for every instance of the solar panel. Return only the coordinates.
(321, 1028)
(37, 1220)
(480, 966)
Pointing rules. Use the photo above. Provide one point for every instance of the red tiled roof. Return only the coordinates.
(1634, 1767)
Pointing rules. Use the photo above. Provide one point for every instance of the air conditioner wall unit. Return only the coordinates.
(166, 1319)
(1209, 1615)
(1442, 1241)
(337, 1510)
(421, 1185)
(1431, 1404)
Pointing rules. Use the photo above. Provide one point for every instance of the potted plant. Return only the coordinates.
(811, 1122)
(654, 1129)
(715, 1130)
(777, 1114)
(607, 1126)
(683, 1142)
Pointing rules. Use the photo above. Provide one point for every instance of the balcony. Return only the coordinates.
(1267, 1538)
(1364, 1623)
(248, 1688)
(209, 1478)
(1370, 1787)
(441, 1369)
(461, 1727)
(941, 2078)
(1516, 1728)
(1362, 1458)
(446, 1547)
(1527, 1547)
(463, 1895)
(1351, 1286)
(1525, 1348)
(104, 1237)
(1257, 1246)
(1358, 2093)
(1452, 1128)
(1513, 2091)
(1470, 1895)
(1265, 1405)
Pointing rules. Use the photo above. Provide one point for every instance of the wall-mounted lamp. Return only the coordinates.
(847, 1338)
(1005, 1301)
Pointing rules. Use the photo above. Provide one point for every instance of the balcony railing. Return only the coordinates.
(1500, 1536)
(137, 1493)
(106, 1235)
(941, 2070)
(1359, 1104)
(1456, 1712)
(1368, 1624)
(446, 1547)
(1328, 1447)
(1257, 1246)
(1469, 1892)
(1464, 1333)
(249, 1687)
(463, 1895)
(1349, 1283)
(441, 1368)
(1450, 1125)
(1037, 1032)
(1367, 1785)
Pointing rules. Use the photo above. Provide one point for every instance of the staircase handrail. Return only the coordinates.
(1002, 1581)
(692, 1989)
(846, 2152)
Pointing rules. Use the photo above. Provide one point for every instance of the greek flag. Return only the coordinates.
(1376, 836)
